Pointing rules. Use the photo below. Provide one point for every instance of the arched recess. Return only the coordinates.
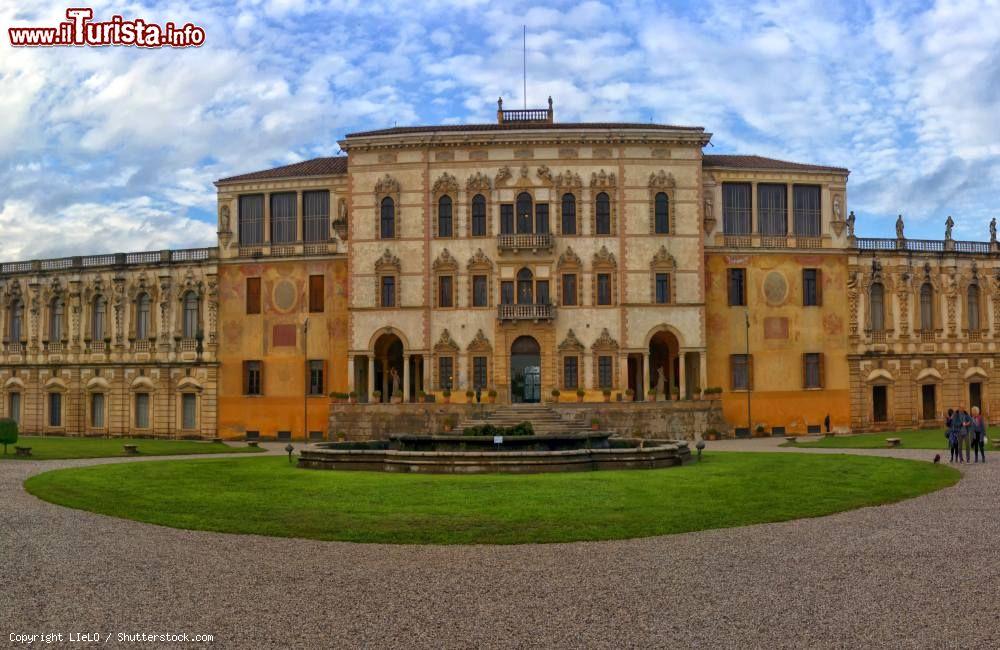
(977, 384)
(525, 370)
(879, 398)
(929, 382)
(388, 352)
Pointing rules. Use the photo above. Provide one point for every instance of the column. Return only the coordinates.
(300, 218)
(406, 378)
(351, 379)
(267, 218)
(681, 373)
(428, 387)
(754, 217)
(646, 382)
(371, 376)
(703, 368)
(789, 217)
(622, 373)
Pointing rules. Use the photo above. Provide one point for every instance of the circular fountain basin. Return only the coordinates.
(449, 454)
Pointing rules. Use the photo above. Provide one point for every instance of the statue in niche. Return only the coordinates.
(836, 208)
(224, 219)
(899, 227)
(948, 225)
(393, 384)
(661, 382)
(709, 209)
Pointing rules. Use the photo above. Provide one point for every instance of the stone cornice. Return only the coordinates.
(512, 137)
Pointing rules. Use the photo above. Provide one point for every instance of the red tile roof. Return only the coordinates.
(519, 126)
(316, 167)
(760, 162)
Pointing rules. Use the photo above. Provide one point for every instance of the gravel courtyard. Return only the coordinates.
(921, 573)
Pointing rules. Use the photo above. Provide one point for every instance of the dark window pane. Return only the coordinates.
(740, 369)
(479, 291)
(736, 208)
(251, 219)
(603, 214)
(812, 371)
(570, 372)
(316, 215)
(478, 216)
(772, 209)
(479, 372)
(444, 217)
(604, 377)
(387, 219)
(603, 288)
(316, 377)
(524, 212)
(445, 371)
(569, 289)
(542, 218)
(506, 219)
(662, 214)
(568, 214)
(809, 288)
(662, 288)
(55, 409)
(806, 210)
(388, 291)
(737, 287)
(445, 291)
(507, 293)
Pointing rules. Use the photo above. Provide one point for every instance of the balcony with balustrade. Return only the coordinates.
(878, 244)
(110, 260)
(525, 242)
(526, 312)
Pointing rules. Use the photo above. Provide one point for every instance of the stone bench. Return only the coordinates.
(790, 439)
(22, 451)
(892, 442)
(252, 443)
(131, 450)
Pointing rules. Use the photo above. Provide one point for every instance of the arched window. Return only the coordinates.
(190, 325)
(972, 307)
(98, 319)
(661, 212)
(142, 313)
(479, 216)
(525, 288)
(56, 320)
(16, 311)
(444, 217)
(602, 224)
(568, 214)
(524, 212)
(876, 300)
(926, 307)
(387, 221)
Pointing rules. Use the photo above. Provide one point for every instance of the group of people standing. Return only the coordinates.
(965, 430)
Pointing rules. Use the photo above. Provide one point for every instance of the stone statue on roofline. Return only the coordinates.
(993, 230)
(948, 225)
(850, 224)
(899, 227)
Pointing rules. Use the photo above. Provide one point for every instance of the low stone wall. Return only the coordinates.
(673, 420)
(662, 454)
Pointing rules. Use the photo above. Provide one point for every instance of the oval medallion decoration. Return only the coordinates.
(775, 288)
(284, 295)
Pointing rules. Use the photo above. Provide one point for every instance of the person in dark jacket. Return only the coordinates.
(953, 433)
(978, 435)
(963, 424)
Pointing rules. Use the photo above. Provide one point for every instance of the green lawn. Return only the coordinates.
(52, 447)
(267, 496)
(923, 439)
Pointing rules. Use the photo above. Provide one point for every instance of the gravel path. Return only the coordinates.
(922, 573)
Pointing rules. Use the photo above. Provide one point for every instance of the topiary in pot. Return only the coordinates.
(8, 433)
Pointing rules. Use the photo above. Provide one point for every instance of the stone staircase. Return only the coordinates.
(543, 418)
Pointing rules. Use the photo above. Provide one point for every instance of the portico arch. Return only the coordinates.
(387, 352)
(664, 362)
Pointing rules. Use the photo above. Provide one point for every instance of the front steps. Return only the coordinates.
(543, 418)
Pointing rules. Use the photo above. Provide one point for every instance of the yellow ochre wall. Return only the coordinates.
(774, 298)
(284, 301)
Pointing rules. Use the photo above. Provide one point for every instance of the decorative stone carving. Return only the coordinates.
(446, 344)
(571, 343)
(660, 179)
(503, 175)
(478, 182)
(603, 180)
(388, 262)
(524, 172)
(224, 219)
(569, 258)
(604, 257)
(479, 261)
(479, 343)
(545, 173)
(663, 259)
(605, 342)
(709, 215)
(850, 224)
(445, 262)
(567, 179)
(445, 184)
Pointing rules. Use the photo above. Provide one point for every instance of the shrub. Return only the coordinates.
(594, 421)
(336, 395)
(353, 394)
(469, 394)
(377, 394)
(8, 433)
(606, 392)
(446, 392)
(629, 392)
(492, 393)
(489, 430)
(580, 392)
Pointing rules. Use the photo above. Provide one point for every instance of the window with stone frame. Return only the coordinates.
(480, 352)
(812, 287)
(571, 362)
(446, 353)
(479, 216)
(876, 307)
(445, 221)
(973, 308)
(507, 219)
(444, 193)
(603, 190)
(927, 307)
(387, 281)
(141, 410)
(812, 370)
(445, 271)
(602, 214)
(661, 203)
(445, 291)
(605, 278)
(480, 271)
(740, 372)
(569, 270)
(568, 214)
(446, 372)
(605, 352)
(15, 321)
(662, 268)
(737, 287)
(55, 409)
(387, 208)
(253, 378)
(57, 318)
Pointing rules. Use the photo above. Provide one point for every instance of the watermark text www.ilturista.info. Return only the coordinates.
(81, 30)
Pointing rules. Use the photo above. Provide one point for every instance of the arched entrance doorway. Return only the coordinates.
(525, 370)
(388, 354)
(664, 364)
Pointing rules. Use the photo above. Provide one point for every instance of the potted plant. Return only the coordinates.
(421, 396)
(696, 393)
(675, 393)
(492, 395)
(376, 396)
(448, 423)
(341, 436)
(446, 395)
(607, 394)
(651, 395)
(470, 395)
(352, 397)
(629, 395)
(711, 434)
(595, 424)
(580, 394)
(714, 393)
(759, 431)
(555, 394)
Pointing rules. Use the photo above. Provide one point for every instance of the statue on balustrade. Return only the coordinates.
(948, 225)
(899, 227)
(993, 230)
(850, 224)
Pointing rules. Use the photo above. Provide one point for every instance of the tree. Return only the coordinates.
(8, 433)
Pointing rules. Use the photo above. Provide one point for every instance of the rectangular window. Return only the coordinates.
(478, 216)
(284, 220)
(316, 215)
(444, 218)
(737, 287)
(479, 291)
(571, 372)
(507, 293)
(603, 288)
(568, 214)
(316, 291)
(662, 288)
(97, 410)
(142, 410)
(542, 218)
(445, 291)
(253, 295)
(316, 377)
(14, 407)
(740, 372)
(772, 209)
(252, 376)
(736, 208)
(542, 292)
(812, 288)
(251, 219)
(446, 372)
(604, 376)
(55, 409)
(812, 370)
(506, 218)
(479, 372)
(387, 290)
(569, 288)
(806, 212)
(189, 411)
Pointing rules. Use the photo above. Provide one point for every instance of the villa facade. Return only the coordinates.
(522, 258)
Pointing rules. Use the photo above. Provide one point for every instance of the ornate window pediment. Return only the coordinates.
(479, 262)
(661, 180)
(663, 260)
(571, 344)
(605, 342)
(387, 185)
(446, 344)
(445, 184)
(388, 263)
(503, 175)
(569, 259)
(568, 179)
(605, 258)
(480, 344)
(478, 182)
(445, 263)
(603, 180)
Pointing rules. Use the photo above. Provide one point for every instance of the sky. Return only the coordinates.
(116, 148)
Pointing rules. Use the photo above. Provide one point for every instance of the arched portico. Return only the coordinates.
(525, 370)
